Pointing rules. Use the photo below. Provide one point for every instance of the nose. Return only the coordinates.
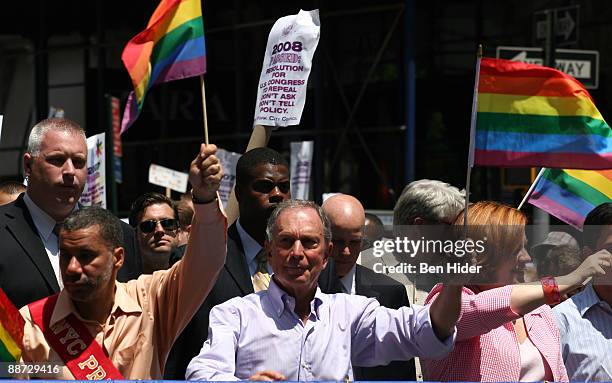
(276, 195)
(68, 170)
(73, 266)
(159, 228)
(297, 250)
(523, 256)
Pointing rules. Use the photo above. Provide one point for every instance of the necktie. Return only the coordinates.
(261, 278)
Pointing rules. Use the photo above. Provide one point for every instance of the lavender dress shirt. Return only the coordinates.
(262, 332)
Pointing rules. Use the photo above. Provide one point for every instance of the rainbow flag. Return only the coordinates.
(171, 48)
(571, 194)
(529, 115)
(11, 330)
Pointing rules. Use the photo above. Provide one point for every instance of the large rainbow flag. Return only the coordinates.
(529, 115)
(170, 48)
(571, 194)
(11, 330)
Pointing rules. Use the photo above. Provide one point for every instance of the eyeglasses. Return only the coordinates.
(266, 186)
(149, 226)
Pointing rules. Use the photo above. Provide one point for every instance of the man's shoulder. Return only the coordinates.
(13, 210)
(378, 277)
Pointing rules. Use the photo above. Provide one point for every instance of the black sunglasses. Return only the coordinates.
(166, 224)
(266, 186)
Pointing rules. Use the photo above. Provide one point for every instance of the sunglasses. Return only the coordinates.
(149, 226)
(266, 186)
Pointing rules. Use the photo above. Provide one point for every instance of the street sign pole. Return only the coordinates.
(541, 219)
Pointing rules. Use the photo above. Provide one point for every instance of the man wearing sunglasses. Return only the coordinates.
(155, 219)
(262, 182)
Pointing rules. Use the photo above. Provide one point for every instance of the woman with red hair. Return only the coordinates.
(506, 331)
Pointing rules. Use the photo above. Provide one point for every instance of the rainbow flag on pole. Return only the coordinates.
(170, 48)
(529, 115)
(11, 330)
(571, 194)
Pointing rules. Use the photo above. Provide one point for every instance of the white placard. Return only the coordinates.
(301, 168)
(1, 119)
(284, 74)
(228, 162)
(168, 178)
(94, 193)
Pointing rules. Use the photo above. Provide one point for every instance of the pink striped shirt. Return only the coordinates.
(487, 348)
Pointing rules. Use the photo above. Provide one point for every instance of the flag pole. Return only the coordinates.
(530, 191)
(472, 138)
(204, 109)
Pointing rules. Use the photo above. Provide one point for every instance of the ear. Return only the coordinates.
(328, 252)
(188, 229)
(27, 163)
(118, 257)
(268, 248)
(237, 191)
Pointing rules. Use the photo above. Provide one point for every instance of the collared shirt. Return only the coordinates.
(262, 332)
(44, 225)
(348, 281)
(585, 325)
(487, 348)
(251, 249)
(148, 313)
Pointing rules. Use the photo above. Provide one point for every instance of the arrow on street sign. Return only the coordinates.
(580, 64)
(566, 25)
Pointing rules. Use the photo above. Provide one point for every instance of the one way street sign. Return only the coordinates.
(581, 64)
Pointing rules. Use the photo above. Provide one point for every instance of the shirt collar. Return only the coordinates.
(586, 299)
(43, 221)
(250, 246)
(65, 307)
(282, 301)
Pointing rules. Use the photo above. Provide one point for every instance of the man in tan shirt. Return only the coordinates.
(136, 322)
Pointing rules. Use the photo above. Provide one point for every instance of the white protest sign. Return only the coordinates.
(301, 167)
(284, 75)
(94, 193)
(228, 162)
(168, 178)
(1, 119)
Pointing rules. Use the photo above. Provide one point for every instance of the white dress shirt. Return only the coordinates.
(44, 225)
(348, 281)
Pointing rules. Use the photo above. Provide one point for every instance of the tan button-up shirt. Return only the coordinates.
(148, 313)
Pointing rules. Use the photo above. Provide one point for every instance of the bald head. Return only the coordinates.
(344, 209)
(347, 218)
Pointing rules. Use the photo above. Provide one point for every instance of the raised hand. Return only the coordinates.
(205, 174)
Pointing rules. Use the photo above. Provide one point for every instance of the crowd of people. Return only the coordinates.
(288, 291)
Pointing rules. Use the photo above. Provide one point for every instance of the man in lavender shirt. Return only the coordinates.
(293, 331)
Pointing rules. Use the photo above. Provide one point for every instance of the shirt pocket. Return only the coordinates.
(125, 355)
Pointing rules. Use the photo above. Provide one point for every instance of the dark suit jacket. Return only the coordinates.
(391, 294)
(234, 281)
(26, 274)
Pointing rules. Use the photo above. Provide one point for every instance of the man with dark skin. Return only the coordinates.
(135, 323)
(262, 181)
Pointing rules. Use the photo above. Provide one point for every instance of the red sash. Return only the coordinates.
(73, 343)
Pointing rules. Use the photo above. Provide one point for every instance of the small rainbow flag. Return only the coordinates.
(11, 330)
(529, 115)
(171, 48)
(571, 194)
